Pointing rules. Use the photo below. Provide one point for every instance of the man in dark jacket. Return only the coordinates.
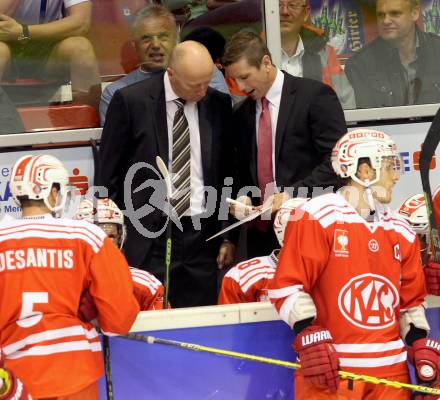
(284, 132)
(400, 67)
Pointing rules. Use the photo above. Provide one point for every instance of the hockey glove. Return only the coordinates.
(319, 360)
(87, 309)
(424, 354)
(432, 278)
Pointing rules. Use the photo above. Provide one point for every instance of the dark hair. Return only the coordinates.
(26, 202)
(246, 45)
(210, 38)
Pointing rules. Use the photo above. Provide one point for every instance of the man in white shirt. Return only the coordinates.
(284, 133)
(38, 40)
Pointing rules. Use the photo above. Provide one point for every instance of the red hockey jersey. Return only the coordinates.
(148, 290)
(360, 276)
(248, 280)
(45, 265)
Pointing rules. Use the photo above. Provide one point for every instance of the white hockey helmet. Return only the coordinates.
(32, 177)
(413, 209)
(105, 211)
(363, 143)
(282, 217)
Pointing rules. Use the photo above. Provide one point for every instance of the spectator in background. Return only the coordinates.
(305, 51)
(400, 67)
(10, 121)
(215, 43)
(284, 132)
(154, 35)
(38, 41)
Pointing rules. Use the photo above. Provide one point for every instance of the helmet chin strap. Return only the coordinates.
(370, 198)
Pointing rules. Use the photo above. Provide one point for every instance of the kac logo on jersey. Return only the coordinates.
(340, 243)
(368, 301)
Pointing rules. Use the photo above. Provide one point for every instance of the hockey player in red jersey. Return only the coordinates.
(413, 209)
(148, 290)
(248, 280)
(350, 282)
(46, 263)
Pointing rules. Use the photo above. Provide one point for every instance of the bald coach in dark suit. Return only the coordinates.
(141, 124)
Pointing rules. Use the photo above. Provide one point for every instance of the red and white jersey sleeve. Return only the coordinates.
(45, 266)
(148, 290)
(247, 281)
(359, 275)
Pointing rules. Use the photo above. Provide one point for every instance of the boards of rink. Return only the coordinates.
(228, 314)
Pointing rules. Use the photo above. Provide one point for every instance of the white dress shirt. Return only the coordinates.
(191, 113)
(273, 95)
(293, 64)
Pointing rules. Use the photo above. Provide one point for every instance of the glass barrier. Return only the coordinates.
(56, 61)
(389, 50)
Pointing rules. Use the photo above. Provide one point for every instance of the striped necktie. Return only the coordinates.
(181, 160)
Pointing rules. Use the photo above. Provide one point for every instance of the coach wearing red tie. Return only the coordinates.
(284, 132)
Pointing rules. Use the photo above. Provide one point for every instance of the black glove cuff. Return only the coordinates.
(415, 334)
(299, 326)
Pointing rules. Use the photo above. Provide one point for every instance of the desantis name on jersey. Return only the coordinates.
(36, 258)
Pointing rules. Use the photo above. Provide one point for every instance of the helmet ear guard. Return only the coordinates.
(283, 217)
(33, 177)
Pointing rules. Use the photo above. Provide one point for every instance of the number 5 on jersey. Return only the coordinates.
(28, 316)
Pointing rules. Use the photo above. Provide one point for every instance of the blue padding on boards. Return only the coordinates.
(159, 372)
(153, 371)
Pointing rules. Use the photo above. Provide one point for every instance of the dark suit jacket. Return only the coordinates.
(135, 130)
(310, 121)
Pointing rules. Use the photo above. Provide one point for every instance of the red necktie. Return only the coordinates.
(264, 160)
(264, 153)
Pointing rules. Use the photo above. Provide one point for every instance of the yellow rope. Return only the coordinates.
(281, 363)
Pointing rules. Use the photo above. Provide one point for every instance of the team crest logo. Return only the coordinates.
(368, 301)
(373, 245)
(340, 243)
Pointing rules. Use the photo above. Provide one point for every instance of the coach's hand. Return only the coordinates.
(226, 254)
(241, 209)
